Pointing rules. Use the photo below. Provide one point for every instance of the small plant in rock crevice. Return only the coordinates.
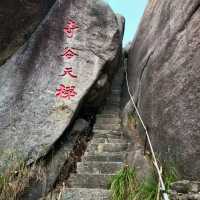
(133, 121)
(17, 177)
(170, 174)
(123, 184)
(147, 190)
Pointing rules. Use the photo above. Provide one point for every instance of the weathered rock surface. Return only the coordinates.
(102, 159)
(32, 118)
(185, 190)
(164, 74)
(136, 157)
(60, 161)
(18, 19)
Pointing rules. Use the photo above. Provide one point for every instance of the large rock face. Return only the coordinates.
(32, 117)
(164, 74)
(18, 19)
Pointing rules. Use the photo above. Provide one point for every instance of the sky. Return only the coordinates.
(132, 10)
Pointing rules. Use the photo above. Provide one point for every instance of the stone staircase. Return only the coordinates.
(104, 156)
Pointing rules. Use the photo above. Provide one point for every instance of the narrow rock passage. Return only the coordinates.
(105, 153)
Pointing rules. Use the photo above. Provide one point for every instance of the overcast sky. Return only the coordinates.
(132, 10)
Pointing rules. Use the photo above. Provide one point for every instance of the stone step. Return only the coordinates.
(119, 77)
(107, 147)
(85, 194)
(111, 111)
(107, 136)
(118, 81)
(113, 98)
(89, 180)
(115, 92)
(93, 167)
(110, 107)
(108, 126)
(107, 132)
(117, 84)
(112, 120)
(112, 103)
(104, 115)
(108, 140)
(116, 87)
(105, 156)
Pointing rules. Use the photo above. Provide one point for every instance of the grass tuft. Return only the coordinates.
(17, 177)
(170, 174)
(147, 190)
(133, 121)
(123, 183)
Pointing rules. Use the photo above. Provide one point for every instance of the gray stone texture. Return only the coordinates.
(164, 75)
(100, 162)
(18, 19)
(32, 118)
(185, 190)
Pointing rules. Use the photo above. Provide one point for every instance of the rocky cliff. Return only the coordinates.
(164, 75)
(18, 20)
(67, 62)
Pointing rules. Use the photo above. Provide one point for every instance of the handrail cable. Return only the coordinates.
(163, 189)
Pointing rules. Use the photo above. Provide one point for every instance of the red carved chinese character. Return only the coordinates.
(70, 27)
(68, 70)
(66, 92)
(69, 53)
